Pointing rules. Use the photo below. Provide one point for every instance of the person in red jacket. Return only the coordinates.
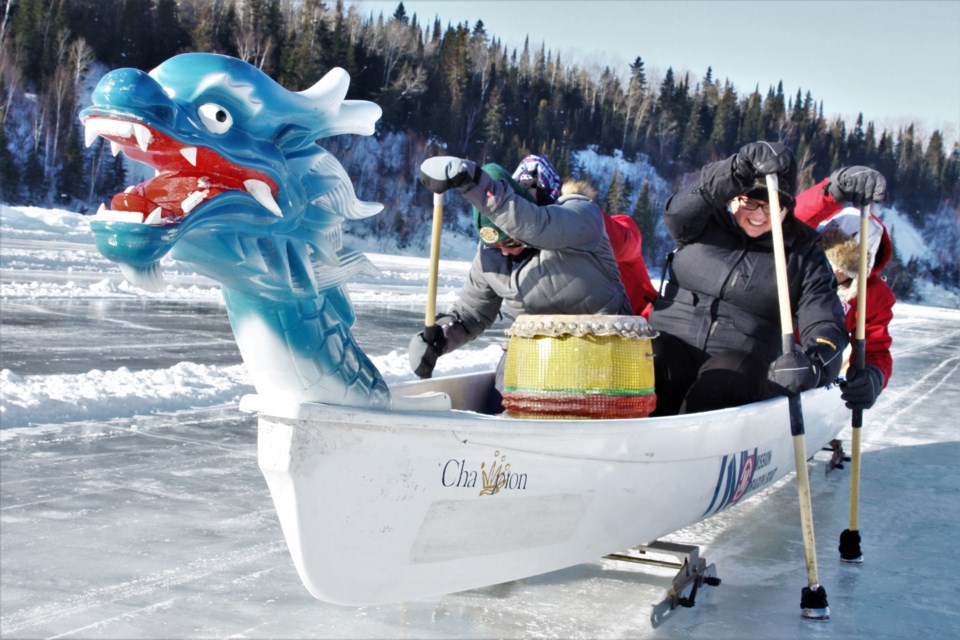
(627, 243)
(536, 172)
(823, 208)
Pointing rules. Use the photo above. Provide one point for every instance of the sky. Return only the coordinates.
(894, 61)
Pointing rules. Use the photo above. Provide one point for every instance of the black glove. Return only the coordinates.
(861, 389)
(757, 159)
(441, 173)
(827, 355)
(792, 373)
(858, 185)
(425, 348)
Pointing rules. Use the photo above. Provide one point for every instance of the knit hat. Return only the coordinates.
(537, 170)
(490, 234)
(760, 192)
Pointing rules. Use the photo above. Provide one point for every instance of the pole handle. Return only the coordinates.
(430, 315)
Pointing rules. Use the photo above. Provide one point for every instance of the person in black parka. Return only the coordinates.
(718, 317)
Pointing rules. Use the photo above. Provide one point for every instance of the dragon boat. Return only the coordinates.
(387, 493)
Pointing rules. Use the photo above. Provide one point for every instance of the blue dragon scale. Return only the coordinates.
(244, 194)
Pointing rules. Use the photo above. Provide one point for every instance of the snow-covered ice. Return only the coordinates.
(132, 504)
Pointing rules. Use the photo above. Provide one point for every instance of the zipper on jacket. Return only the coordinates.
(728, 282)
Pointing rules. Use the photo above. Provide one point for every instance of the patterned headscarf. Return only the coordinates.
(537, 170)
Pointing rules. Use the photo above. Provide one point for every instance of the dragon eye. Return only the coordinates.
(215, 118)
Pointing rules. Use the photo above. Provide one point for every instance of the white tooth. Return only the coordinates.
(115, 147)
(109, 127)
(192, 200)
(129, 189)
(155, 217)
(89, 135)
(121, 216)
(100, 210)
(190, 153)
(203, 183)
(261, 192)
(144, 137)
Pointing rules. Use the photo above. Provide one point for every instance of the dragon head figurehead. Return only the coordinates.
(236, 159)
(244, 193)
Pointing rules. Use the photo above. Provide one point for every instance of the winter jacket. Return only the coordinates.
(567, 268)
(627, 244)
(722, 292)
(816, 208)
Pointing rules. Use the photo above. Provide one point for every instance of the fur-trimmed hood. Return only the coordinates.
(839, 238)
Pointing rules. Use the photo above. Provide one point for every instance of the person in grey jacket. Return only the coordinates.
(533, 258)
(718, 317)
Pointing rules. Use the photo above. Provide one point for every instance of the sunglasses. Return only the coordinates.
(748, 204)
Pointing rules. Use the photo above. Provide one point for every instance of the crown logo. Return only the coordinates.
(495, 478)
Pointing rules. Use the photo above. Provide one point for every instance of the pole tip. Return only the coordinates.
(813, 603)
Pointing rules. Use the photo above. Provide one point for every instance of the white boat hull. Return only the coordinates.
(381, 506)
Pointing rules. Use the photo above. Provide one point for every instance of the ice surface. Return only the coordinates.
(131, 505)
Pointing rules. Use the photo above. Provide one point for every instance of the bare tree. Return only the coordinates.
(411, 82)
(394, 40)
(3, 21)
(12, 77)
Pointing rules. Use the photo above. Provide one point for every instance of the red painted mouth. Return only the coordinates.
(187, 176)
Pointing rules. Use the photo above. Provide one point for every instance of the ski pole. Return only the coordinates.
(813, 598)
(850, 538)
(430, 315)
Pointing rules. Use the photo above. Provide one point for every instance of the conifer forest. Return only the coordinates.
(448, 88)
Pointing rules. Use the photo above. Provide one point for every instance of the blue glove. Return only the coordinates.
(792, 373)
(861, 389)
(858, 185)
(440, 173)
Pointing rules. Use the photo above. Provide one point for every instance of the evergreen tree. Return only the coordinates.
(752, 128)
(722, 140)
(645, 217)
(34, 179)
(951, 177)
(695, 134)
(168, 32)
(493, 127)
(9, 174)
(70, 185)
(616, 194)
(930, 174)
(901, 277)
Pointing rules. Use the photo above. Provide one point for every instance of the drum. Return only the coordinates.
(572, 367)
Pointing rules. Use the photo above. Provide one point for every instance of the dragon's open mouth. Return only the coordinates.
(186, 175)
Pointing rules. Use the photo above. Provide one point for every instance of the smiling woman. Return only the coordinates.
(753, 216)
(720, 339)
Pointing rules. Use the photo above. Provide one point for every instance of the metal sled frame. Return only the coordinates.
(693, 572)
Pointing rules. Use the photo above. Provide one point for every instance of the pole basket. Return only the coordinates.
(850, 547)
(813, 603)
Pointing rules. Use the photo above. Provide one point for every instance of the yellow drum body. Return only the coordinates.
(579, 367)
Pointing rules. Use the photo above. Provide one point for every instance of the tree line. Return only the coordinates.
(453, 89)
